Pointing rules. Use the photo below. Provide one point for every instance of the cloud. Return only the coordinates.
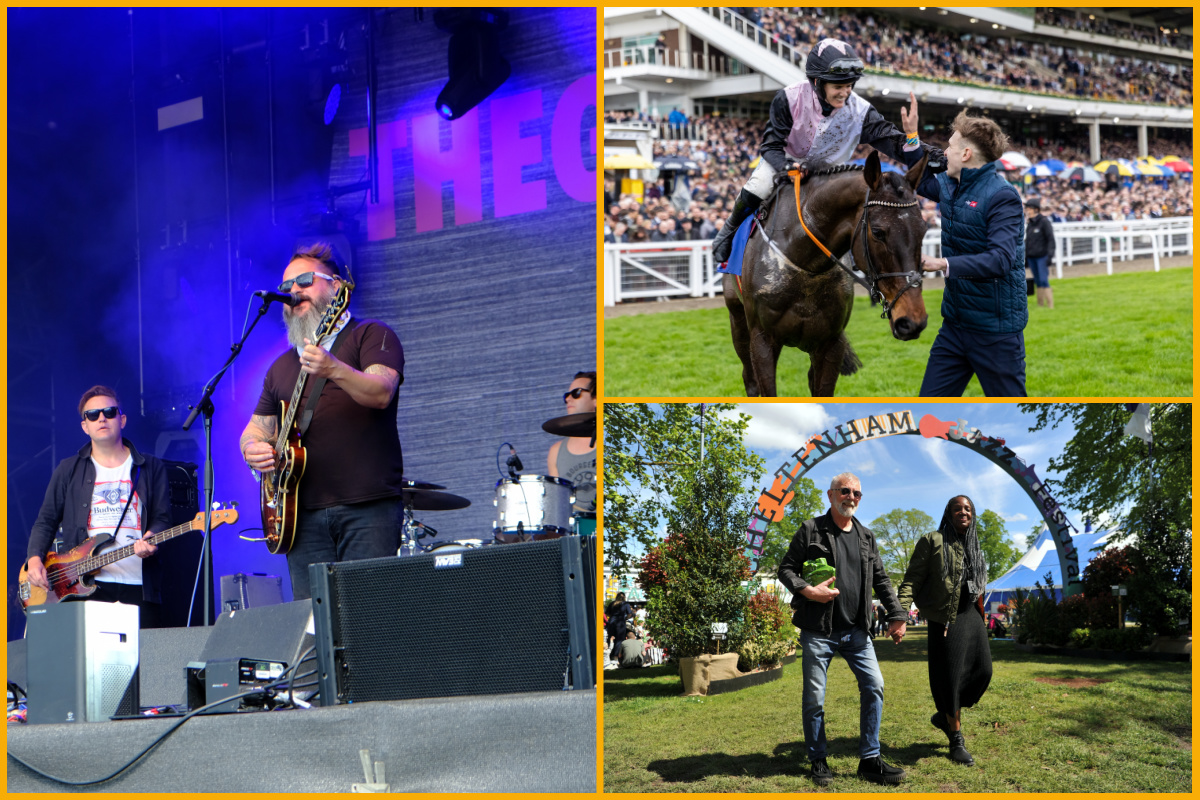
(1018, 517)
(783, 427)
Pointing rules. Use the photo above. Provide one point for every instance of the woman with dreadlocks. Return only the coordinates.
(946, 578)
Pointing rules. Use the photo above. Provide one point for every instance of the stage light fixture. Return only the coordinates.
(332, 102)
(476, 67)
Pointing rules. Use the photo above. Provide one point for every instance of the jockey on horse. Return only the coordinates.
(821, 120)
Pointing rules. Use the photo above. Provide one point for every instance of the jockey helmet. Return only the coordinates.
(833, 61)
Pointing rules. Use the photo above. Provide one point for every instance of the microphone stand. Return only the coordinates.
(205, 406)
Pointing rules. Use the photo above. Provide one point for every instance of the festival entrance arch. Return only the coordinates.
(772, 503)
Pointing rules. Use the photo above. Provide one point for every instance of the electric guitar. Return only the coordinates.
(71, 574)
(278, 488)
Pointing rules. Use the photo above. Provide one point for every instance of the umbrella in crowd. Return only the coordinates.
(1085, 174)
(1114, 166)
(1053, 164)
(1014, 160)
(1146, 168)
(1178, 166)
(675, 163)
(1039, 171)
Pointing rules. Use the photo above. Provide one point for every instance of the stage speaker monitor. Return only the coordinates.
(240, 591)
(82, 661)
(488, 620)
(278, 633)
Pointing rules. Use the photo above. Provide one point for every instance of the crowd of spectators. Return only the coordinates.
(994, 61)
(1078, 20)
(923, 51)
(693, 205)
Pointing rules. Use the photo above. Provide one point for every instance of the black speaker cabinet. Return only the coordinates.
(488, 620)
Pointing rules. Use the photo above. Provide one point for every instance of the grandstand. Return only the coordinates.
(1030, 69)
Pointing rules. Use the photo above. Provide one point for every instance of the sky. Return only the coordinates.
(903, 472)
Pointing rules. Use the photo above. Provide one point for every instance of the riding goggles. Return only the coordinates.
(303, 280)
(575, 393)
(93, 414)
(844, 69)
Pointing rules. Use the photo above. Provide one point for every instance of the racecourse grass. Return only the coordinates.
(1130, 732)
(1124, 335)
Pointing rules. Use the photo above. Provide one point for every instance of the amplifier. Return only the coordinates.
(487, 620)
(82, 661)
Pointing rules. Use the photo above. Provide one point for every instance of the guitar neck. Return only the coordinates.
(113, 556)
(289, 415)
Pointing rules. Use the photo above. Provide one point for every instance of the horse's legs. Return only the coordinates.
(764, 355)
(741, 344)
(824, 366)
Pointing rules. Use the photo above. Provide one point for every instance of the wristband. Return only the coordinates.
(912, 135)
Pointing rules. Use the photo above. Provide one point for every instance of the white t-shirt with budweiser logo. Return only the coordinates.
(109, 496)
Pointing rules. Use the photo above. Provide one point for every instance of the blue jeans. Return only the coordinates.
(342, 533)
(856, 647)
(1040, 267)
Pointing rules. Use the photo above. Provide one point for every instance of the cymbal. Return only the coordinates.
(414, 484)
(572, 425)
(426, 500)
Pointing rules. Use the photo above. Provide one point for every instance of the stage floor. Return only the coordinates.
(536, 742)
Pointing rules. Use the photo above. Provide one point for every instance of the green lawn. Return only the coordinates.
(1127, 335)
(1131, 732)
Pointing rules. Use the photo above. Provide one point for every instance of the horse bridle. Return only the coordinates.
(912, 278)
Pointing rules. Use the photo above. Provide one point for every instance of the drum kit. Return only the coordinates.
(528, 507)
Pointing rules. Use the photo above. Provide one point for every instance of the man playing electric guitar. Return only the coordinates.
(348, 496)
(108, 482)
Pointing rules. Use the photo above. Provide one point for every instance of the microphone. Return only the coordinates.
(278, 297)
(513, 462)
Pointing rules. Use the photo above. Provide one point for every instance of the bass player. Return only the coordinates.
(348, 501)
(90, 494)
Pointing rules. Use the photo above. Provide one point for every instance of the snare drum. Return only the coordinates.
(532, 507)
(585, 523)
(456, 546)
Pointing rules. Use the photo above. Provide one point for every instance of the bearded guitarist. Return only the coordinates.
(348, 504)
(108, 487)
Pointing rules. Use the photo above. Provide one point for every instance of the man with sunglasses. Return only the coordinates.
(349, 504)
(574, 457)
(105, 484)
(820, 120)
(838, 620)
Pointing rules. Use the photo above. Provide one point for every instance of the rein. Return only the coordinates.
(913, 278)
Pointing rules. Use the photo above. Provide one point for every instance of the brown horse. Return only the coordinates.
(793, 295)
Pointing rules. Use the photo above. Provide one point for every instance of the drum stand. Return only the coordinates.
(411, 531)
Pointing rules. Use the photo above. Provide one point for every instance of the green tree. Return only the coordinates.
(694, 577)
(651, 459)
(809, 502)
(996, 544)
(1146, 491)
(896, 534)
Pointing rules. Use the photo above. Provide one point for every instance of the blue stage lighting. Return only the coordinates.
(476, 67)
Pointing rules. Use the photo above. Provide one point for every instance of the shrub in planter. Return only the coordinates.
(1079, 637)
(1125, 640)
(694, 577)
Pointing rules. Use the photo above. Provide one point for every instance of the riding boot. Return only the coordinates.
(742, 207)
(1049, 297)
(1041, 296)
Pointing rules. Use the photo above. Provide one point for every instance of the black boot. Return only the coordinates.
(958, 749)
(742, 207)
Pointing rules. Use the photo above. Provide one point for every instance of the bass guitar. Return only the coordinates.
(71, 574)
(278, 488)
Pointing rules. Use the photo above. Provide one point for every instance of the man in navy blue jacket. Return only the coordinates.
(984, 305)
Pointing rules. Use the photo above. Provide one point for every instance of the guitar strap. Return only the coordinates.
(137, 470)
(318, 386)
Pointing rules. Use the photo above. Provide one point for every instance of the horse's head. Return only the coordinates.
(887, 245)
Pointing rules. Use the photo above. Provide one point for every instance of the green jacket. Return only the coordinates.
(935, 596)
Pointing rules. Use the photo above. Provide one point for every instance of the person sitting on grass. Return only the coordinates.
(630, 654)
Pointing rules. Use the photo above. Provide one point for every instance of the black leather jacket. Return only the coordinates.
(813, 541)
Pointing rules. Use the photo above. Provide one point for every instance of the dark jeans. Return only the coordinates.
(957, 354)
(129, 594)
(342, 533)
(1040, 267)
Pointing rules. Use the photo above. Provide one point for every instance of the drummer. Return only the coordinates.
(574, 458)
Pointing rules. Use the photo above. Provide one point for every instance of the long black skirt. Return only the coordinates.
(960, 661)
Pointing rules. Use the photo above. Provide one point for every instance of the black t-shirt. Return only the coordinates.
(848, 604)
(353, 452)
